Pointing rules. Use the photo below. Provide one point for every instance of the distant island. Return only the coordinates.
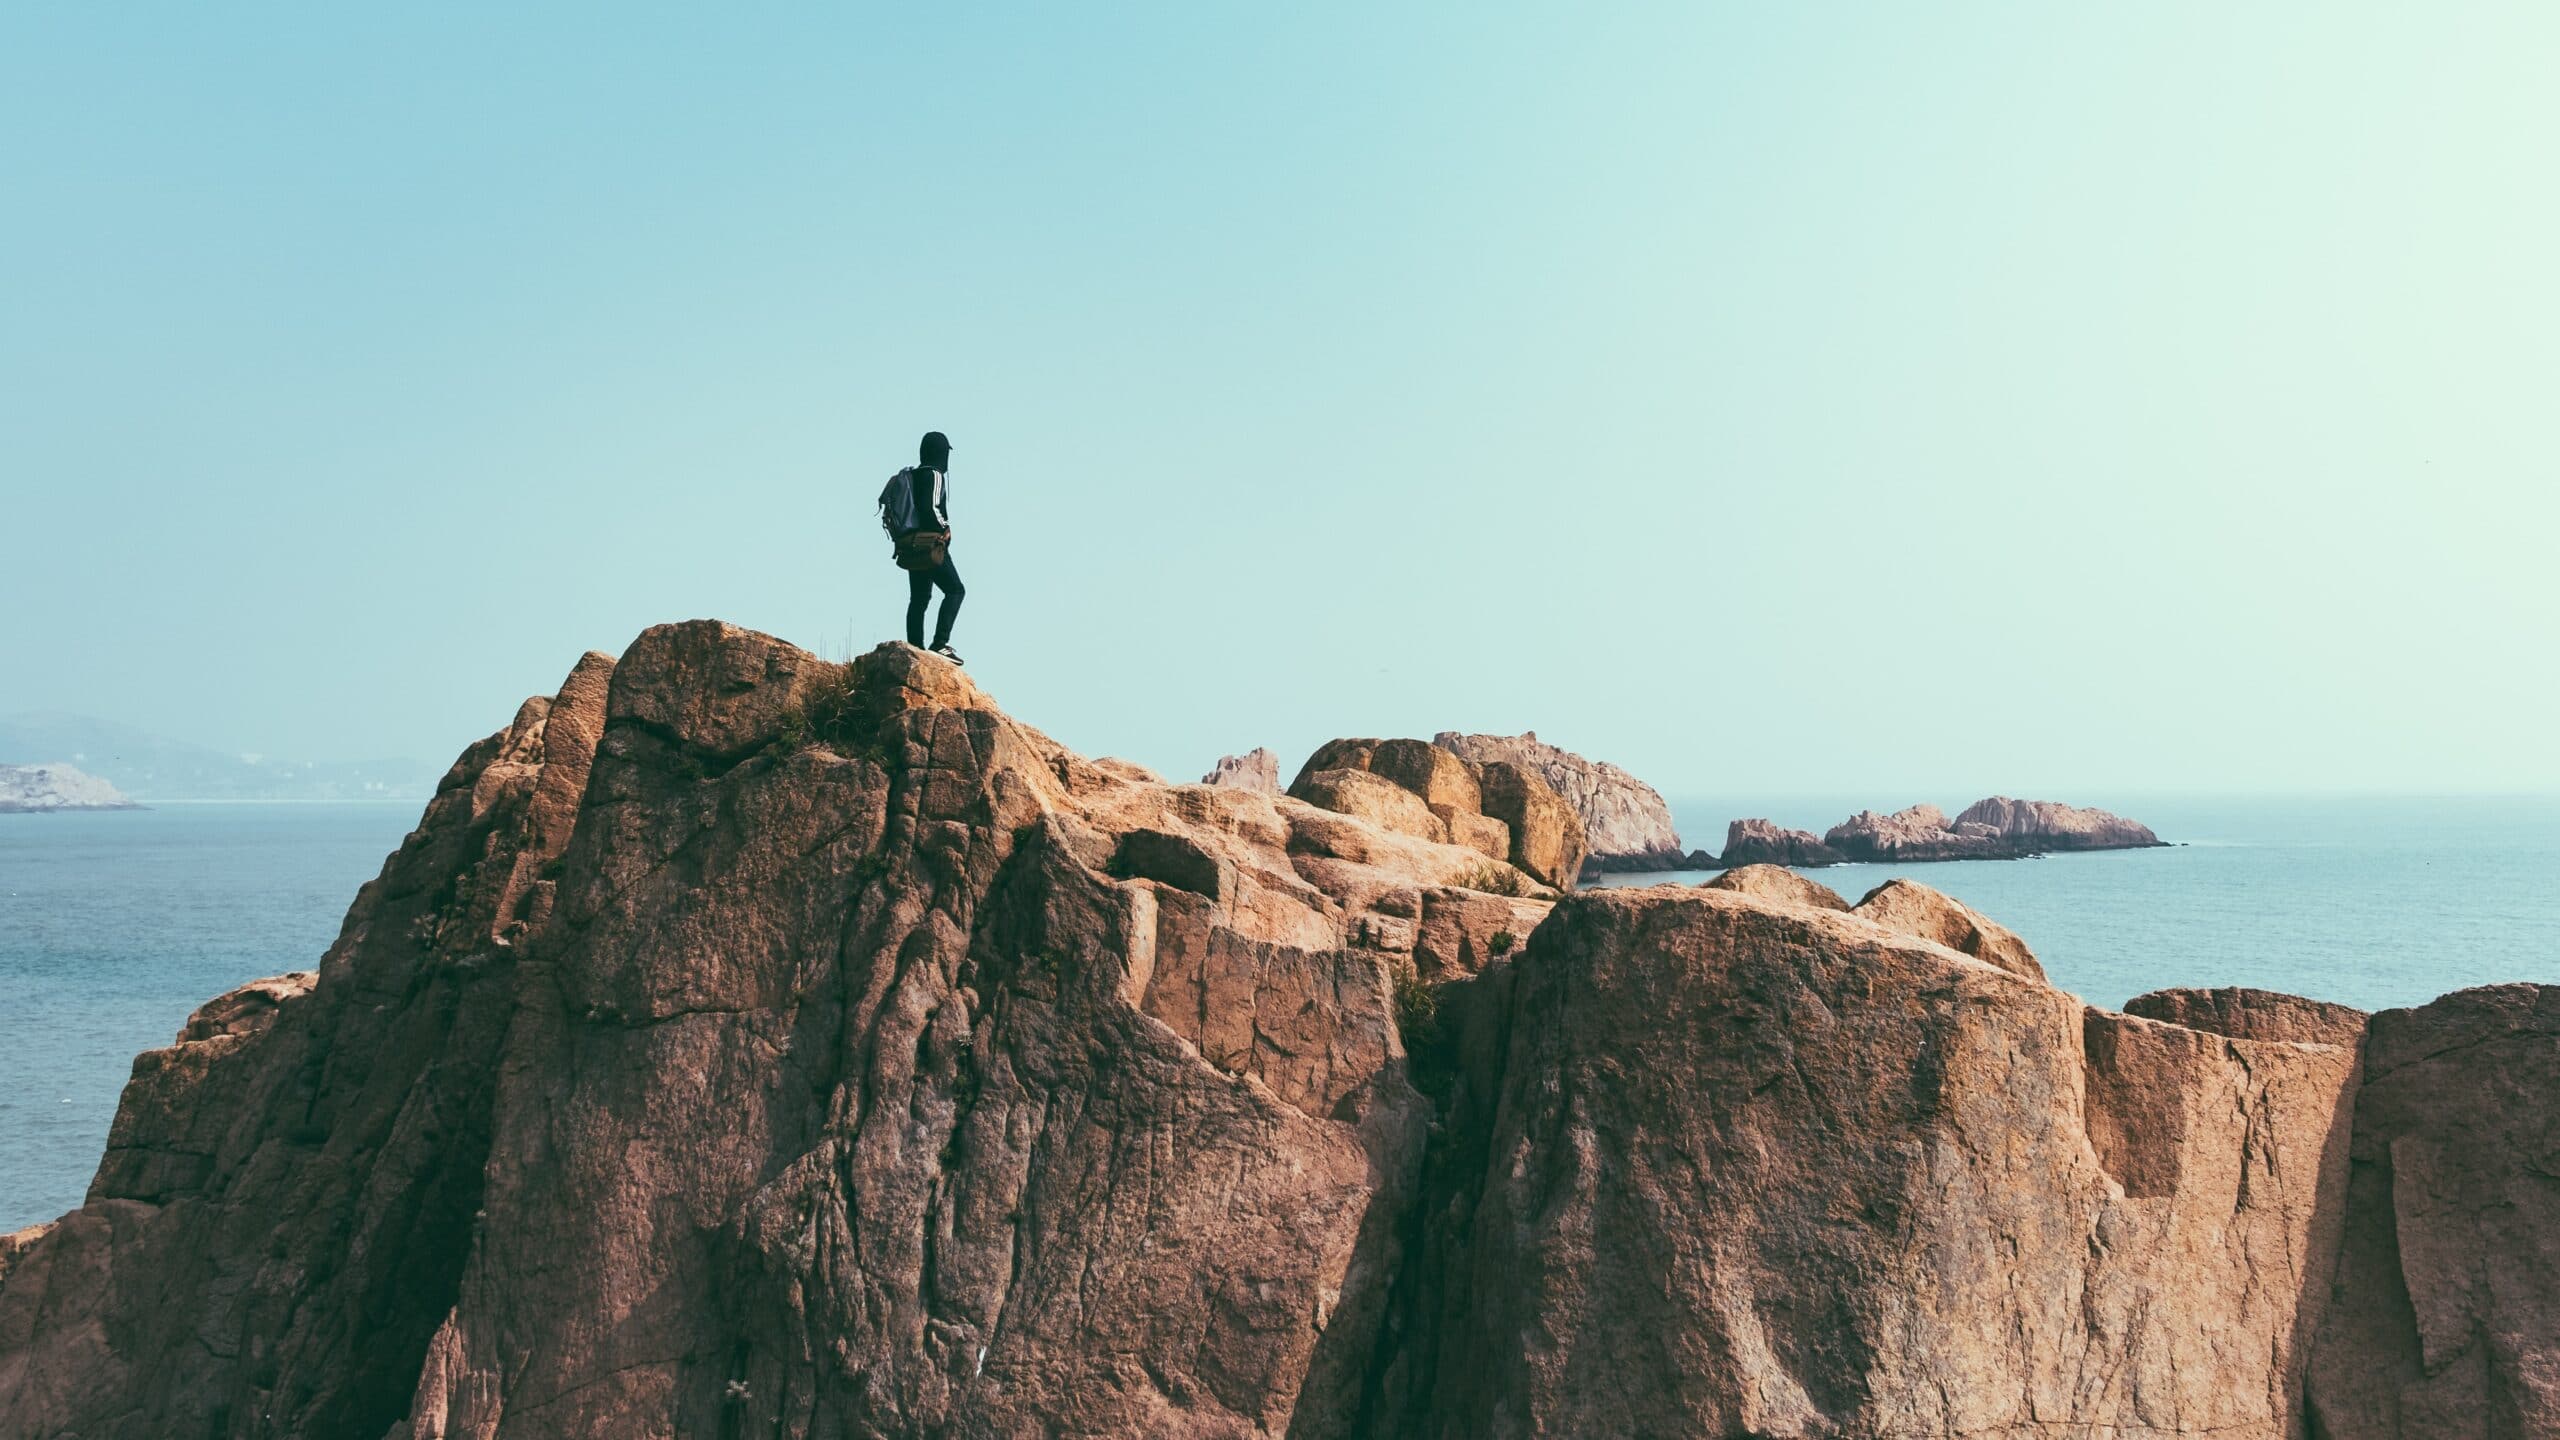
(152, 768)
(49, 789)
(1998, 828)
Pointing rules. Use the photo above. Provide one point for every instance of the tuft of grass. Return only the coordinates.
(828, 716)
(1417, 1007)
(1494, 879)
(1501, 942)
(794, 732)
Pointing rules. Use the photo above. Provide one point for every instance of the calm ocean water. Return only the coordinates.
(113, 927)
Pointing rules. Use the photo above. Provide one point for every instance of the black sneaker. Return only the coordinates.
(947, 653)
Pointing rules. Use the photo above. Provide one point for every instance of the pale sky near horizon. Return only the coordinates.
(1923, 400)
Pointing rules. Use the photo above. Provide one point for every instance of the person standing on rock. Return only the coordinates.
(915, 508)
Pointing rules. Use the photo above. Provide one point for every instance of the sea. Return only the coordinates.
(114, 926)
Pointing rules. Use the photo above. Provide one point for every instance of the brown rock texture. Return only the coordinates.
(1765, 842)
(1442, 780)
(1771, 882)
(1256, 769)
(1623, 818)
(2446, 1316)
(746, 1045)
(1373, 798)
(1766, 1170)
(2246, 1014)
(1547, 838)
(1915, 909)
(1499, 810)
(273, 1234)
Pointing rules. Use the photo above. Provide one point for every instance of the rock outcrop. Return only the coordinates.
(1763, 1169)
(744, 1044)
(1765, 842)
(748, 1045)
(1497, 809)
(48, 789)
(2446, 1316)
(1625, 822)
(1770, 882)
(1995, 829)
(2246, 1014)
(1914, 909)
(2039, 825)
(1256, 769)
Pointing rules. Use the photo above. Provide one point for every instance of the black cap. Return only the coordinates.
(934, 443)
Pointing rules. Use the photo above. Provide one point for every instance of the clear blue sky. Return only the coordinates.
(1923, 400)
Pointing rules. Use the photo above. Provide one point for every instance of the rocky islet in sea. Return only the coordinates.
(745, 1044)
(1998, 828)
(56, 788)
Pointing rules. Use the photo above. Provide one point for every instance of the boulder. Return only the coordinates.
(1462, 931)
(1754, 1168)
(2446, 1316)
(1256, 769)
(1547, 838)
(1442, 780)
(1915, 909)
(1499, 811)
(1770, 882)
(1621, 815)
(1373, 798)
(1335, 755)
(1481, 833)
(1764, 842)
(2246, 1014)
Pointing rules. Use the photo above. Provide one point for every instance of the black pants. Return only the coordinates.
(920, 585)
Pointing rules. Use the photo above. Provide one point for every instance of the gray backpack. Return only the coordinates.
(898, 504)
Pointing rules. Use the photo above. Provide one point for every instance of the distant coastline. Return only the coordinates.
(156, 770)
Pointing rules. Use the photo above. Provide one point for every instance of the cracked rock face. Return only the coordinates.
(748, 1045)
(1622, 817)
(1500, 810)
(2446, 1319)
(1763, 1169)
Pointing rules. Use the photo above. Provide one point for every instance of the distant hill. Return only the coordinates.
(148, 767)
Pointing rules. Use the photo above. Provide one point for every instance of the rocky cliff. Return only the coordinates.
(747, 1045)
(45, 789)
(1626, 822)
